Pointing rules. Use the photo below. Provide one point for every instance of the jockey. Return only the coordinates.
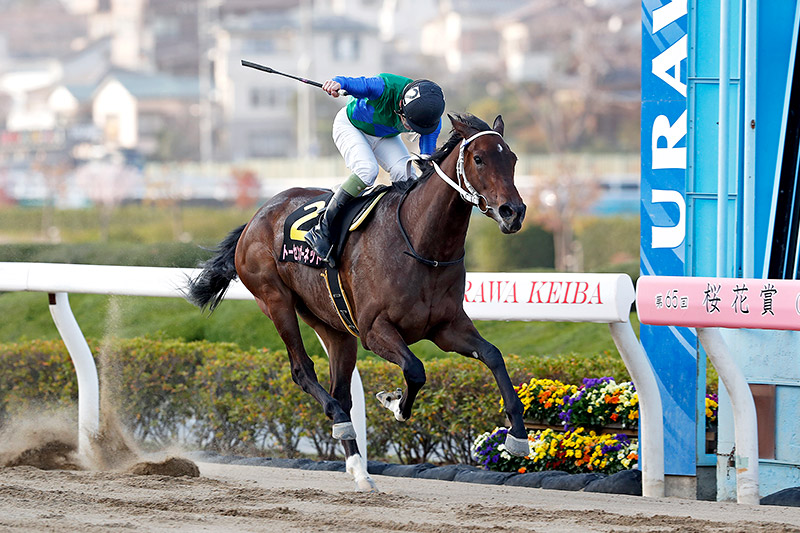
(366, 132)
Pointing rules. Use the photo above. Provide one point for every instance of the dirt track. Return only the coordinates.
(252, 498)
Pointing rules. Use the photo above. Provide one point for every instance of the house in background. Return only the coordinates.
(266, 115)
(556, 43)
(71, 104)
(465, 36)
(156, 114)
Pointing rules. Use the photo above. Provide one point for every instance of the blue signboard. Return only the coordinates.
(672, 351)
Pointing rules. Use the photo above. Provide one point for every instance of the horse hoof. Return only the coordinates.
(518, 447)
(391, 401)
(387, 397)
(366, 485)
(344, 431)
(357, 467)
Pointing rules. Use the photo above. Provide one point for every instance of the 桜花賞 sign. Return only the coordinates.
(719, 302)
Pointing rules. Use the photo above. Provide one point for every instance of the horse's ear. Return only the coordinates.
(498, 125)
(462, 128)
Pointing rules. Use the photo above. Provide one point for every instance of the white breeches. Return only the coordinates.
(365, 154)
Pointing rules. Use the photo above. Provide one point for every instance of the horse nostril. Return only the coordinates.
(506, 211)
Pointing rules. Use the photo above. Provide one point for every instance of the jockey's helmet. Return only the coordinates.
(422, 106)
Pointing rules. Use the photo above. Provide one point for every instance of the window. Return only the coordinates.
(266, 97)
(346, 47)
(259, 46)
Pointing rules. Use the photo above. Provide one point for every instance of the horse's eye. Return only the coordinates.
(477, 159)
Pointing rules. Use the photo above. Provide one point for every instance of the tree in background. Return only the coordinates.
(558, 200)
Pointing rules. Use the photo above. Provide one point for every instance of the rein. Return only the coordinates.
(413, 253)
(468, 193)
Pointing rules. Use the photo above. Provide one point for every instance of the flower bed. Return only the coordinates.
(598, 402)
(586, 428)
(575, 452)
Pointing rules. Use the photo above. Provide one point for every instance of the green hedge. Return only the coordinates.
(170, 254)
(488, 250)
(219, 397)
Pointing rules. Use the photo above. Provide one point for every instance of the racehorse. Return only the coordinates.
(404, 273)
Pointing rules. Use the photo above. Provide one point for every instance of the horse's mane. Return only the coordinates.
(440, 154)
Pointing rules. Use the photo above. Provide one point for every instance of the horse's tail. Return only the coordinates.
(209, 287)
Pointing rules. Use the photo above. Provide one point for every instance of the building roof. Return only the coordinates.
(283, 20)
(157, 86)
(82, 93)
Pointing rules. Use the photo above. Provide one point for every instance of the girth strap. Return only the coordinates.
(339, 299)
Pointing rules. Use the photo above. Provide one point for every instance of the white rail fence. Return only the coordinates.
(603, 298)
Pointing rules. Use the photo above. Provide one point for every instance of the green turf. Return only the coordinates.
(26, 317)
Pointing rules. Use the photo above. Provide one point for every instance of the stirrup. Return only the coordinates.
(316, 240)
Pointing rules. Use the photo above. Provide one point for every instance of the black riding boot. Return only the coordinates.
(319, 237)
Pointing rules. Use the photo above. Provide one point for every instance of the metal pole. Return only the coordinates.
(722, 149)
(748, 193)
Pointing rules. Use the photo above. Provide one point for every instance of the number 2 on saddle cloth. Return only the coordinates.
(296, 250)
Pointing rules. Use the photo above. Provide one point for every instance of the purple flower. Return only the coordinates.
(593, 382)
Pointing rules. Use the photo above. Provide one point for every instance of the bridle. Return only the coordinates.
(467, 191)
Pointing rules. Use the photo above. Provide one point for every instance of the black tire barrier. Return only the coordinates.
(327, 466)
(288, 463)
(253, 461)
(533, 479)
(571, 482)
(376, 468)
(446, 472)
(486, 477)
(625, 482)
(788, 497)
(406, 470)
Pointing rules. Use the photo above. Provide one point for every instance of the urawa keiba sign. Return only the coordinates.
(556, 297)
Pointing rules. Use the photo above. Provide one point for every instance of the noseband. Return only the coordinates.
(467, 191)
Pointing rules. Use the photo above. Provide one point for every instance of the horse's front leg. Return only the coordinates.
(462, 337)
(384, 340)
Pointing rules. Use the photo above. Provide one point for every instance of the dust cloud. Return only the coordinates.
(48, 439)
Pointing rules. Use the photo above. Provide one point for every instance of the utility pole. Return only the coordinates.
(306, 113)
(206, 21)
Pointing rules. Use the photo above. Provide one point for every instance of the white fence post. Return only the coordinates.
(651, 417)
(85, 368)
(745, 422)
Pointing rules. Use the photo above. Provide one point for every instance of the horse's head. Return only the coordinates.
(486, 163)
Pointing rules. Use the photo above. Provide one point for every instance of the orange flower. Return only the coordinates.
(522, 470)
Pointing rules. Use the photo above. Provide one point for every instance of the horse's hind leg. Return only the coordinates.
(462, 337)
(342, 350)
(384, 340)
(279, 305)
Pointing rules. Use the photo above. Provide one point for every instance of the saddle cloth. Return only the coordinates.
(353, 216)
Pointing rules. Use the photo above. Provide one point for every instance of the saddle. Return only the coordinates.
(353, 216)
